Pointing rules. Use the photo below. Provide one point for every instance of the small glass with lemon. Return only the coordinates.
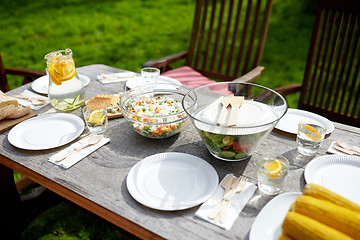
(309, 138)
(66, 91)
(95, 115)
(272, 171)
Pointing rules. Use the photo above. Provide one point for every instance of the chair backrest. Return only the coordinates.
(331, 85)
(4, 86)
(228, 37)
(28, 75)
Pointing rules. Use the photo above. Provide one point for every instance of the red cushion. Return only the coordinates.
(188, 76)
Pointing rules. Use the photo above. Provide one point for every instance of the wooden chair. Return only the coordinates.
(226, 42)
(29, 75)
(331, 84)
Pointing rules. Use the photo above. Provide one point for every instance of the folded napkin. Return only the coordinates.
(236, 205)
(77, 156)
(115, 77)
(332, 150)
(34, 100)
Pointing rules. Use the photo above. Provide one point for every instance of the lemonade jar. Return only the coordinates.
(66, 91)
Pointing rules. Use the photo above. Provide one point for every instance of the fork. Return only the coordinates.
(241, 182)
(347, 146)
(226, 184)
(220, 214)
(89, 141)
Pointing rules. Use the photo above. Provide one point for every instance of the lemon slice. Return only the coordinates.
(61, 69)
(273, 168)
(314, 134)
(96, 116)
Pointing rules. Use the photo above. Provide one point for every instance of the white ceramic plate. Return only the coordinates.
(289, 122)
(172, 181)
(46, 131)
(267, 224)
(163, 80)
(41, 84)
(338, 173)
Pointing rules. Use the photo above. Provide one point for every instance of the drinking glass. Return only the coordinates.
(95, 115)
(272, 171)
(150, 75)
(309, 138)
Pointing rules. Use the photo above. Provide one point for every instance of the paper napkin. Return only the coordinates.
(70, 161)
(236, 205)
(32, 95)
(115, 77)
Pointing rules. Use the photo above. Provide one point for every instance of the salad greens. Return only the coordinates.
(231, 146)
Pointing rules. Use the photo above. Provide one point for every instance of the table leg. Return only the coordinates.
(10, 205)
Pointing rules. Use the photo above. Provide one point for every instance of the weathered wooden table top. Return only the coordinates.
(101, 177)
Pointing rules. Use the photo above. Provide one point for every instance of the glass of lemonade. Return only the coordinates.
(66, 91)
(309, 138)
(95, 115)
(272, 171)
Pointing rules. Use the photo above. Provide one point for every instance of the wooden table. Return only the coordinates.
(98, 182)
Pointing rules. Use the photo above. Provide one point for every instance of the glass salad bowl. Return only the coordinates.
(260, 111)
(154, 111)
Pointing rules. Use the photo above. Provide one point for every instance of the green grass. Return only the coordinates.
(125, 34)
(69, 222)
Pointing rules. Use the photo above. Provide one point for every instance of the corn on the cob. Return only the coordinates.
(337, 217)
(319, 192)
(300, 227)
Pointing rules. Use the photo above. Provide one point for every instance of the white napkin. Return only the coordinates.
(331, 149)
(115, 77)
(236, 205)
(28, 103)
(67, 163)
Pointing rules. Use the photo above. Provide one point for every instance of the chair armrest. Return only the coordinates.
(24, 72)
(288, 89)
(251, 76)
(164, 63)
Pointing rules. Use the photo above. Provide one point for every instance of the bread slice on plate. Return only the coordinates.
(112, 103)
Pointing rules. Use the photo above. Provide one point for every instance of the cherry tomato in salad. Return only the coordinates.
(240, 147)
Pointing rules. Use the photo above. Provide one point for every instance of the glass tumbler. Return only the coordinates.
(150, 75)
(272, 171)
(309, 138)
(96, 119)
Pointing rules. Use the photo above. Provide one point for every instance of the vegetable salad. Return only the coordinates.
(156, 116)
(231, 146)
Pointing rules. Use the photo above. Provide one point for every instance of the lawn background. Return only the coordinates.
(125, 34)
